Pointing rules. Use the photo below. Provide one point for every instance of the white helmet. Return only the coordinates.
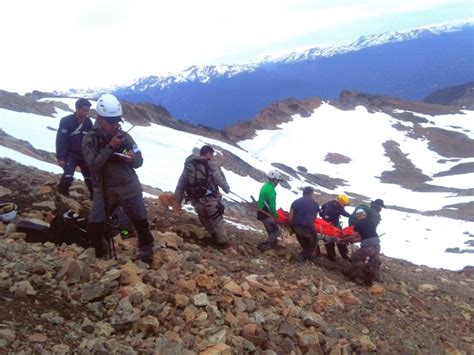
(274, 175)
(108, 106)
(7, 212)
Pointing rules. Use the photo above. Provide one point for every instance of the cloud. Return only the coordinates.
(59, 44)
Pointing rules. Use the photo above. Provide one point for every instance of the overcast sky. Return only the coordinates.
(61, 44)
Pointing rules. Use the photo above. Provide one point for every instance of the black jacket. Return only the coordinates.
(69, 137)
(331, 211)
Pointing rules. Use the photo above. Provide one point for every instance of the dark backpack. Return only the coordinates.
(35, 233)
(69, 227)
(197, 178)
(366, 208)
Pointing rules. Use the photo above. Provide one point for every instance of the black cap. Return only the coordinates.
(206, 149)
(308, 190)
(378, 202)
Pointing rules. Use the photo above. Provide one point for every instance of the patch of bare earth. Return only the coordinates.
(336, 158)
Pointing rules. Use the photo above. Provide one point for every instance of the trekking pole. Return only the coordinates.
(108, 229)
(122, 133)
(243, 199)
(253, 204)
(230, 198)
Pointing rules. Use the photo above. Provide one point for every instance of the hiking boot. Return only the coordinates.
(145, 253)
(224, 245)
(102, 251)
(313, 259)
(220, 240)
(300, 259)
(263, 247)
(95, 233)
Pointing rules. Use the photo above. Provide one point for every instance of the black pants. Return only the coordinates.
(307, 237)
(71, 163)
(331, 250)
(134, 208)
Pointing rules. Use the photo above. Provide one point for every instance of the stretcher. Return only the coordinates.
(326, 230)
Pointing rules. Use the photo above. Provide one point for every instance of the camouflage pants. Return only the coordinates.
(210, 211)
(307, 238)
(273, 231)
(366, 271)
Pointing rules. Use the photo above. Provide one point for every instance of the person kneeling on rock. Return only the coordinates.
(112, 155)
(363, 270)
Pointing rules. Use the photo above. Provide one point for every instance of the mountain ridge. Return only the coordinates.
(409, 69)
(205, 73)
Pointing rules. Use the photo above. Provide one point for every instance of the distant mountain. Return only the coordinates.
(409, 64)
(459, 95)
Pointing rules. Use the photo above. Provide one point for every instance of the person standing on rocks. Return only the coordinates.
(266, 210)
(303, 212)
(376, 207)
(331, 212)
(71, 131)
(199, 183)
(373, 212)
(112, 155)
(369, 248)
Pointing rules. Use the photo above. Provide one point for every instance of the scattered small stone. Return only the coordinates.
(376, 290)
(200, 300)
(15, 235)
(103, 329)
(7, 334)
(37, 338)
(22, 288)
(148, 325)
(428, 288)
(60, 349)
(87, 326)
(287, 329)
(218, 349)
(233, 287)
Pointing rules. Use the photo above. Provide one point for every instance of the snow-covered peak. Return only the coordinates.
(192, 74)
(90, 93)
(369, 41)
(205, 74)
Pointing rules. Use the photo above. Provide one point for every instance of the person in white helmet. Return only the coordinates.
(112, 156)
(267, 212)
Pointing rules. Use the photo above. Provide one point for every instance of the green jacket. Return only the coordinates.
(120, 176)
(267, 199)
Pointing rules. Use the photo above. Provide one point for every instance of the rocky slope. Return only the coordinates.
(196, 299)
(271, 116)
(460, 95)
(137, 114)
